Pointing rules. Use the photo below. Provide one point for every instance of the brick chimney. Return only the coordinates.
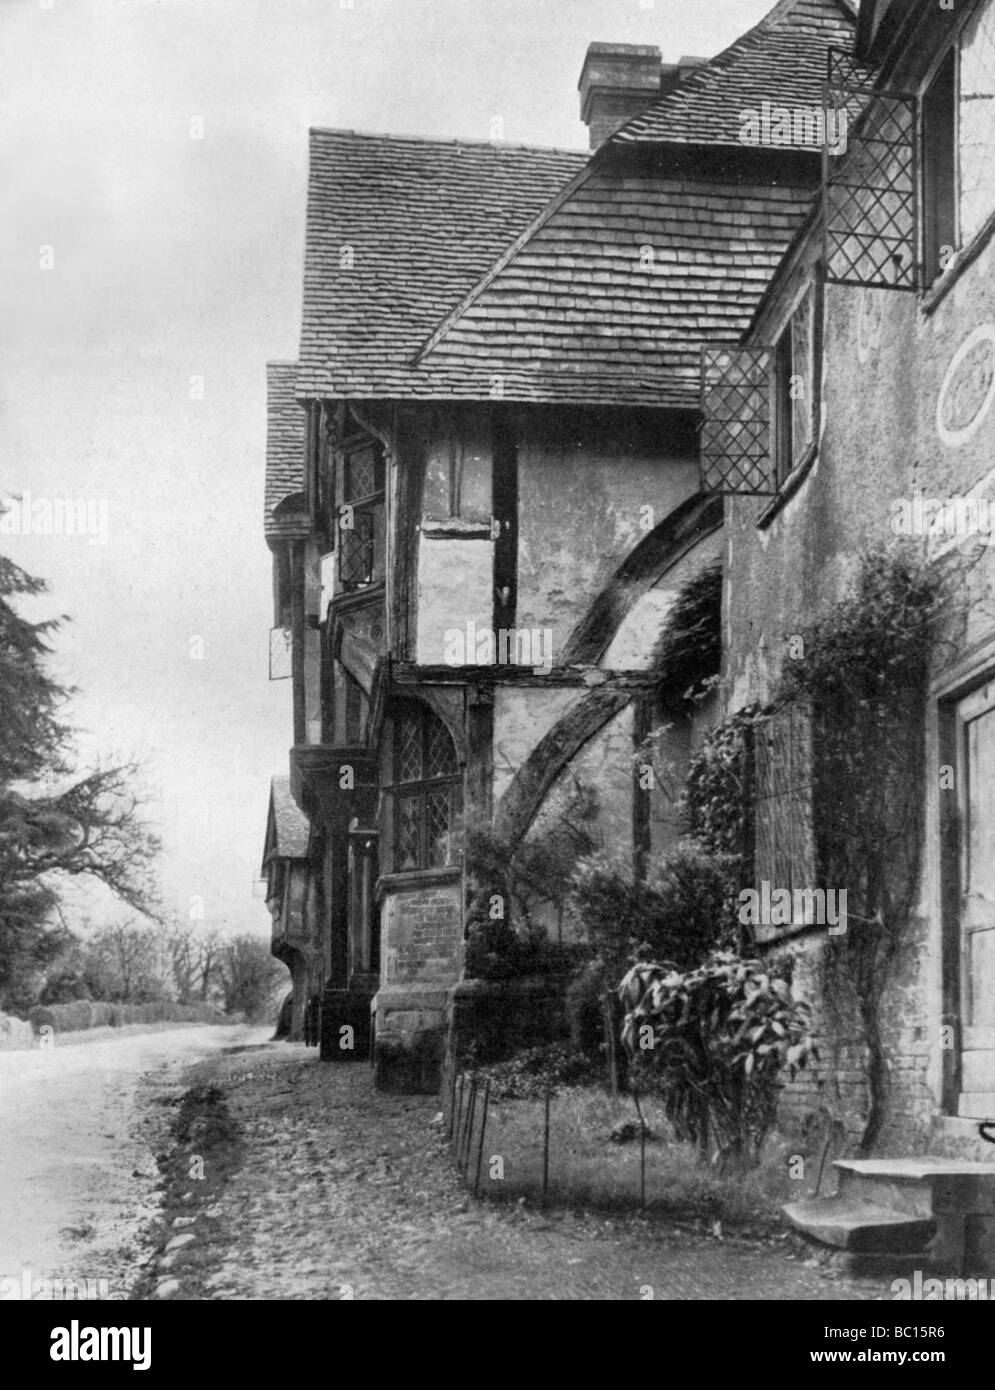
(617, 81)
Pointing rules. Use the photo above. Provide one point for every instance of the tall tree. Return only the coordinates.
(56, 820)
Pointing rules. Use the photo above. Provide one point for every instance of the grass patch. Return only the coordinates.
(587, 1169)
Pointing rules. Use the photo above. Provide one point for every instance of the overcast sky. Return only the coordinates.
(175, 258)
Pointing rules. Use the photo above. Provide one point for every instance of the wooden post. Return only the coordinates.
(642, 1150)
(457, 1113)
(610, 1055)
(545, 1150)
(464, 1155)
(480, 1146)
(452, 1097)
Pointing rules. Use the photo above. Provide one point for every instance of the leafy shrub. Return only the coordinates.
(528, 1075)
(683, 908)
(714, 1041)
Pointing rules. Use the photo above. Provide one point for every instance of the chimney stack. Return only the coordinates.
(617, 81)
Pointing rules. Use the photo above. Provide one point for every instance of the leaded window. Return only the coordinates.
(760, 407)
(426, 790)
(361, 516)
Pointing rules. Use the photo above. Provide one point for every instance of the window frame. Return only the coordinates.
(936, 279)
(421, 788)
(369, 505)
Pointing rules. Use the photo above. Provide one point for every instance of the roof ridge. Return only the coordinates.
(434, 140)
(697, 79)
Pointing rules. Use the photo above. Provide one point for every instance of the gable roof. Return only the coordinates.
(781, 60)
(613, 291)
(399, 230)
(287, 827)
(285, 430)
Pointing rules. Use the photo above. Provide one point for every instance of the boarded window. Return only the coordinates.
(784, 845)
(458, 468)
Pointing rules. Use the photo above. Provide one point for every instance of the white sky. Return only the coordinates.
(177, 258)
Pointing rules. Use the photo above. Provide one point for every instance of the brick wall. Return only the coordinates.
(422, 928)
(837, 1082)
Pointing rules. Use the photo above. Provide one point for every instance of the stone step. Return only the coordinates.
(925, 1186)
(861, 1227)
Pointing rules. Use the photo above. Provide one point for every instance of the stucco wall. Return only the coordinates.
(455, 587)
(907, 404)
(580, 494)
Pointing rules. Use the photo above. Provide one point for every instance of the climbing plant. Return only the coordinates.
(863, 668)
(688, 652)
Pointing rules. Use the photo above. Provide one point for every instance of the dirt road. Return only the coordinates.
(333, 1191)
(78, 1128)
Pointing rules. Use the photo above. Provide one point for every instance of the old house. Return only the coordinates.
(499, 489)
(856, 419)
(290, 898)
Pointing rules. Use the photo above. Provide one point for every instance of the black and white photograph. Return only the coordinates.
(497, 665)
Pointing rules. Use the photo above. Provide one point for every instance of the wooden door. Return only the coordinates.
(976, 780)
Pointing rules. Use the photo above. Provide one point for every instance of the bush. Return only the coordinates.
(81, 1015)
(684, 908)
(531, 1073)
(713, 1042)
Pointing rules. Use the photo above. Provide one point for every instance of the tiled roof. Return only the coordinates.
(399, 231)
(613, 296)
(290, 823)
(616, 288)
(781, 60)
(285, 424)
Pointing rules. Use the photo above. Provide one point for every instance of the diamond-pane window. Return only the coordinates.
(426, 777)
(439, 821)
(869, 188)
(407, 839)
(409, 750)
(357, 551)
(735, 436)
(440, 753)
(976, 135)
(360, 474)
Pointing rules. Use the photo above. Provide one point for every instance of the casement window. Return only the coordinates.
(872, 194)
(976, 123)
(870, 186)
(361, 517)
(761, 406)
(426, 790)
(794, 389)
(939, 170)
